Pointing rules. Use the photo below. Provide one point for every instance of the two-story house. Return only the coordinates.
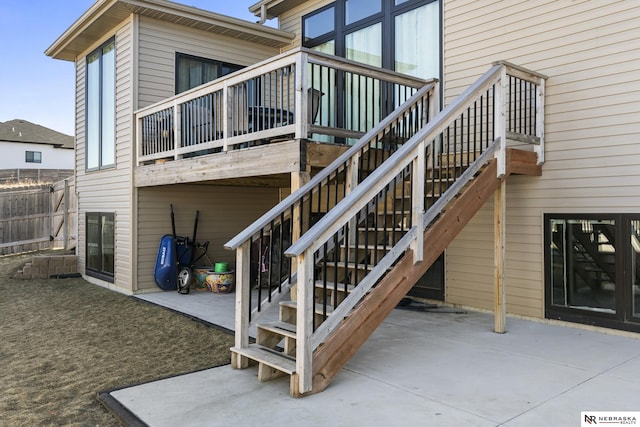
(494, 141)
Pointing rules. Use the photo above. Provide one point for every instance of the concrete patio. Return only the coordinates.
(430, 368)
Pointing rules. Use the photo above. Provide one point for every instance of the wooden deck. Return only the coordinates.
(266, 165)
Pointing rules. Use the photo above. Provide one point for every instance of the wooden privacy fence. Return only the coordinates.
(38, 217)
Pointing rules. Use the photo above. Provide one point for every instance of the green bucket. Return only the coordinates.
(221, 267)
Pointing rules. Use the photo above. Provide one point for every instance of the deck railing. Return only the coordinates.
(503, 107)
(293, 95)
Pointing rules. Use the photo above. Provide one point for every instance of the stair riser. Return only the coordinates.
(340, 295)
(357, 255)
(380, 237)
(273, 340)
(289, 315)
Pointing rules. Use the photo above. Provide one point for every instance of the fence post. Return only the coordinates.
(51, 207)
(65, 215)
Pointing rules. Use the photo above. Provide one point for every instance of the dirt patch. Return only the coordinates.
(64, 340)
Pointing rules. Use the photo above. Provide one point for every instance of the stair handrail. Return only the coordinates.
(327, 226)
(291, 199)
(412, 152)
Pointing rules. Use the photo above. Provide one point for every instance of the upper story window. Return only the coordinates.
(355, 10)
(33, 157)
(101, 107)
(403, 35)
(192, 71)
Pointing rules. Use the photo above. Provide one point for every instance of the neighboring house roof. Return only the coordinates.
(106, 14)
(23, 131)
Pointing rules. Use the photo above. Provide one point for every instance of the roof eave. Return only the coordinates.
(60, 49)
(57, 48)
(274, 8)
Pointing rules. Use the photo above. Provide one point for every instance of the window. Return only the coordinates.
(403, 36)
(192, 71)
(592, 269)
(33, 157)
(100, 245)
(101, 107)
(355, 29)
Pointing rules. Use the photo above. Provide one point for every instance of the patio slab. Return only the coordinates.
(419, 368)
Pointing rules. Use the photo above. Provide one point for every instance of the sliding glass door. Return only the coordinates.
(593, 270)
(634, 234)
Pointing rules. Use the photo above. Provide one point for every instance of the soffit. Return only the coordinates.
(104, 15)
(274, 8)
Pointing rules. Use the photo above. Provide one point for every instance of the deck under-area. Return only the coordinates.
(436, 367)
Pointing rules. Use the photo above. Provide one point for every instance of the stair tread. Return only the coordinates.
(267, 356)
(282, 328)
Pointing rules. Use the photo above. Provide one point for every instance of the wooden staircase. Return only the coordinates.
(354, 262)
(275, 347)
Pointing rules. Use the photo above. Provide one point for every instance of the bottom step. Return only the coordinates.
(266, 356)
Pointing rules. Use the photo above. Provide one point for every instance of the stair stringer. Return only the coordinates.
(348, 337)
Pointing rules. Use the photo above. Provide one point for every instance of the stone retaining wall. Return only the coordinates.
(44, 267)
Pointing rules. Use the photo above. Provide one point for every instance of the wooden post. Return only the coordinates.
(301, 102)
(304, 323)
(65, 215)
(243, 285)
(350, 184)
(227, 109)
(298, 179)
(499, 118)
(539, 149)
(418, 172)
(499, 229)
(177, 129)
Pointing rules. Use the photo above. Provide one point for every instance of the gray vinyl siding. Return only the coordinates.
(590, 52)
(224, 212)
(109, 190)
(159, 42)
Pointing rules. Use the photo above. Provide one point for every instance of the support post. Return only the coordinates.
(304, 323)
(301, 101)
(539, 149)
(243, 291)
(177, 129)
(499, 230)
(298, 179)
(500, 123)
(418, 171)
(350, 184)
